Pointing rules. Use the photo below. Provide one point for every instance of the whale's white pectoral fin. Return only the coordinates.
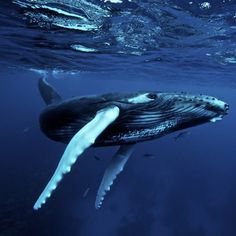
(83, 139)
(116, 166)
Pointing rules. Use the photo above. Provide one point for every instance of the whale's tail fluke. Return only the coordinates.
(48, 93)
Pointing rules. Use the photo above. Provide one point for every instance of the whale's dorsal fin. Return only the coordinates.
(48, 93)
(83, 139)
(116, 166)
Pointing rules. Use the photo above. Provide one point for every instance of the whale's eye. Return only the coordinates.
(152, 96)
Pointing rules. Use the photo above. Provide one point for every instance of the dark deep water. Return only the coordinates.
(187, 187)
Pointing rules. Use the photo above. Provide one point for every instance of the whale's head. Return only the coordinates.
(150, 115)
(186, 110)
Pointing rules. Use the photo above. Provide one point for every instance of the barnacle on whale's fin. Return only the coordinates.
(48, 93)
(116, 166)
(83, 139)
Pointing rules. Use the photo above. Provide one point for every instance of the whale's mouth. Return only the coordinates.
(220, 116)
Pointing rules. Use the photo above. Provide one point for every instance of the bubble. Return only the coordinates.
(205, 5)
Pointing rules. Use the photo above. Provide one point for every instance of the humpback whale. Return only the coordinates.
(123, 119)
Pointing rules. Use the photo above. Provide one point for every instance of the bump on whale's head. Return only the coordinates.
(186, 109)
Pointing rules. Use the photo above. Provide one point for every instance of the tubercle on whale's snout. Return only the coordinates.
(221, 110)
(226, 108)
(218, 106)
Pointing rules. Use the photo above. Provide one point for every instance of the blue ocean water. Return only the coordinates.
(184, 187)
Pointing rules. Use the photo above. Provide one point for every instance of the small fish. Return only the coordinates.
(148, 156)
(181, 135)
(86, 192)
(97, 158)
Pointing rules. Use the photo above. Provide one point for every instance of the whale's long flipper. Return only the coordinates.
(116, 166)
(81, 140)
(48, 93)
